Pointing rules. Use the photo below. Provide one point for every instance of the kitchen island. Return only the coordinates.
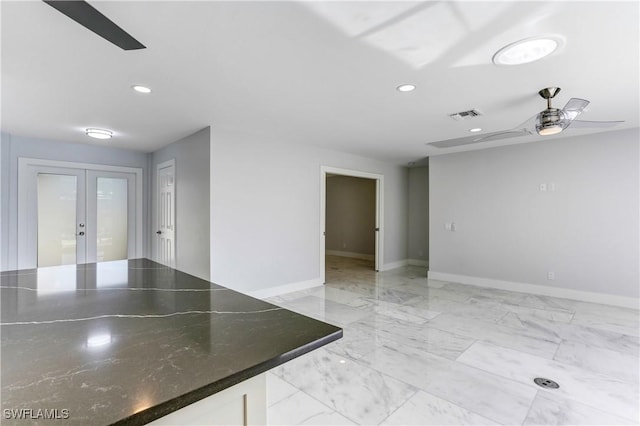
(131, 341)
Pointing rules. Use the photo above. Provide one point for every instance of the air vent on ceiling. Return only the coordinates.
(465, 115)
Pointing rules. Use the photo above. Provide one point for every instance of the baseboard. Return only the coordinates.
(565, 293)
(394, 265)
(286, 288)
(350, 254)
(419, 262)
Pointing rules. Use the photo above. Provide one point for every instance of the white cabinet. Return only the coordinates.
(242, 404)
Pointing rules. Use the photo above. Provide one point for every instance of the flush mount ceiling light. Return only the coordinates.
(141, 89)
(525, 51)
(475, 130)
(406, 88)
(99, 133)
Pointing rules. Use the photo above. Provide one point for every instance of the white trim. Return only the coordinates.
(72, 165)
(351, 254)
(283, 289)
(418, 262)
(394, 265)
(379, 178)
(565, 293)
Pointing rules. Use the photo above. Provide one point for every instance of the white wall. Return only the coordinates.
(351, 215)
(192, 159)
(265, 210)
(418, 216)
(14, 147)
(586, 230)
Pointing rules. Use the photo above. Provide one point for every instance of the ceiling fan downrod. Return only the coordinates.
(548, 93)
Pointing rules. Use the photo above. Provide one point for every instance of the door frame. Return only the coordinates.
(24, 256)
(379, 240)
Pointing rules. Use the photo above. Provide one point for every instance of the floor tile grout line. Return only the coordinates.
(369, 368)
(435, 396)
(440, 397)
(533, 401)
(317, 400)
(400, 406)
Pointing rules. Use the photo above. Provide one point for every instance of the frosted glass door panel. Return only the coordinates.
(57, 201)
(112, 219)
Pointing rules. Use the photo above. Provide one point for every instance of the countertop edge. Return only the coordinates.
(182, 401)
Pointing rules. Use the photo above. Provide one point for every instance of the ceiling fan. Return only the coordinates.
(548, 122)
(89, 17)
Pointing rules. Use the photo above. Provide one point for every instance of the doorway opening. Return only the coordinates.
(351, 217)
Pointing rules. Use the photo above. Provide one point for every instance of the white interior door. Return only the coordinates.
(111, 207)
(69, 215)
(57, 198)
(166, 214)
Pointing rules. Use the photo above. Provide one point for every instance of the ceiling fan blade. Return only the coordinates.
(574, 107)
(89, 17)
(467, 140)
(528, 125)
(502, 135)
(581, 124)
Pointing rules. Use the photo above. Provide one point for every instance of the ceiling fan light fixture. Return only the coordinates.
(550, 130)
(99, 133)
(551, 122)
(525, 51)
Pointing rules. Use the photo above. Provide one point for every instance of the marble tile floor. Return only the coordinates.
(426, 352)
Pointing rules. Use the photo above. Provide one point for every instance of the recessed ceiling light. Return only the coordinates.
(141, 89)
(406, 88)
(475, 130)
(525, 51)
(99, 133)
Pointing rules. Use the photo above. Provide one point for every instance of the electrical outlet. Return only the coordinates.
(551, 276)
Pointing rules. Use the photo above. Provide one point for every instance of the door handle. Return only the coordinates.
(158, 232)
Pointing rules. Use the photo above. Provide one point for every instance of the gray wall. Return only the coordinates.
(192, 159)
(14, 147)
(265, 215)
(5, 148)
(351, 214)
(419, 215)
(586, 230)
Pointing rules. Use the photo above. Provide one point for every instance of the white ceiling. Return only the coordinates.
(321, 73)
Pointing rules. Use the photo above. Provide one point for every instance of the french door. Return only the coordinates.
(71, 215)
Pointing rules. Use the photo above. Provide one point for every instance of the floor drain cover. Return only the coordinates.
(546, 383)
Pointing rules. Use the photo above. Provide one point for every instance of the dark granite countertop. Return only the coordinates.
(127, 342)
